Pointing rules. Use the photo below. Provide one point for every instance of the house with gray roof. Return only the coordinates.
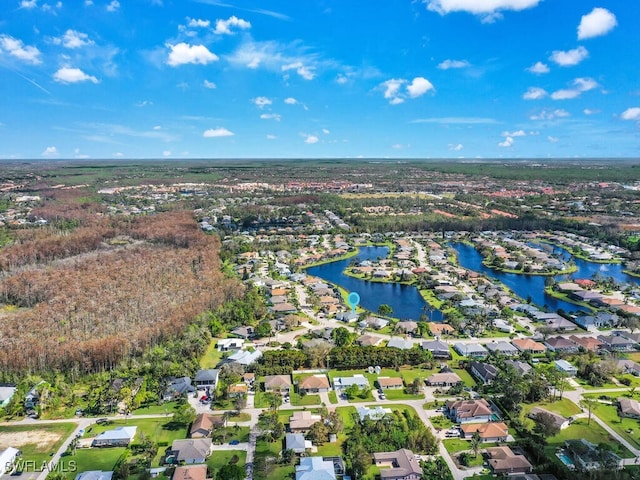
(471, 350)
(400, 343)
(398, 465)
(502, 347)
(189, 451)
(207, 378)
(315, 468)
(438, 348)
(342, 383)
(117, 437)
(94, 475)
(296, 442)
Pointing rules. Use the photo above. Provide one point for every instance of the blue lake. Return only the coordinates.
(532, 286)
(405, 300)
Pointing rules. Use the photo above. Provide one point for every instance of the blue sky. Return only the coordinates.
(315, 79)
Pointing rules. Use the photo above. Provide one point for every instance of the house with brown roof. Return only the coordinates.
(489, 432)
(301, 421)
(443, 379)
(400, 465)
(561, 345)
(502, 460)
(202, 426)
(390, 383)
(367, 340)
(528, 345)
(314, 384)
(588, 343)
(277, 383)
(237, 390)
(440, 329)
(190, 472)
(469, 411)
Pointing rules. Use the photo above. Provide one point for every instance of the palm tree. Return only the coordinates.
(588, 403)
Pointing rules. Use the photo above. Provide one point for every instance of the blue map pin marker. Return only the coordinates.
(353, 300)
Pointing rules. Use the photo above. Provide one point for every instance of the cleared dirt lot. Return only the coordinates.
(40, 439)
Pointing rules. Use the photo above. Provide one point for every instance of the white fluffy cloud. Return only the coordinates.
(534, 93)
(113, 6)
(552, 139)
(50, 152)
(418, 87)
(217, 132)
(166, 153)
(393, 89)
(518, 133)
(208, 84)
(224, 27)
(447, 64)
(271, 116)
(198, 23)
(508, 142)
(455, 147)
(590, 111)
(538, 68)
(73, 39)
(632, 113)
(28, 4)
(569, 58)
(599, 22)
(326, 131)
(290, 101)
(304, 71)
(311, 139)
(271, 136)
(262, 102)
(73, 75)
(489, 10)
(550, 115)
(183, 53)
(580, 85)
(16, 48)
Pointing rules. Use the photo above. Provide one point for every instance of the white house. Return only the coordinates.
(7, 458)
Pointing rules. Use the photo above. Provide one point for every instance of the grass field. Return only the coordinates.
(95, 459)
(628, 428)
(212, 356)
(270, 454)
(220, 458)
(593, 433)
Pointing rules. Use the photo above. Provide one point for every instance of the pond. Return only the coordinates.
(405, 300)
(532, 286)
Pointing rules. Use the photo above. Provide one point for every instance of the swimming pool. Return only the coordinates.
(566, 459)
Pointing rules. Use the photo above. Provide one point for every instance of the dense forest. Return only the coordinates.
(82, 299)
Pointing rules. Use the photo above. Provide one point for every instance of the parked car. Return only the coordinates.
(234, 442)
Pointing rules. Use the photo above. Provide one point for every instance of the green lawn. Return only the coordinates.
(159, 430)
(441, 422)
(305, 400)
(164, 408)
(95, 459)
(271, 453)
(629, 428)
(563, 406)
(408, 374)
(593, 433)
(39, 449)
(465, 376)
(220, 458)
(333, 398)
(400, 394)
(212, 356)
